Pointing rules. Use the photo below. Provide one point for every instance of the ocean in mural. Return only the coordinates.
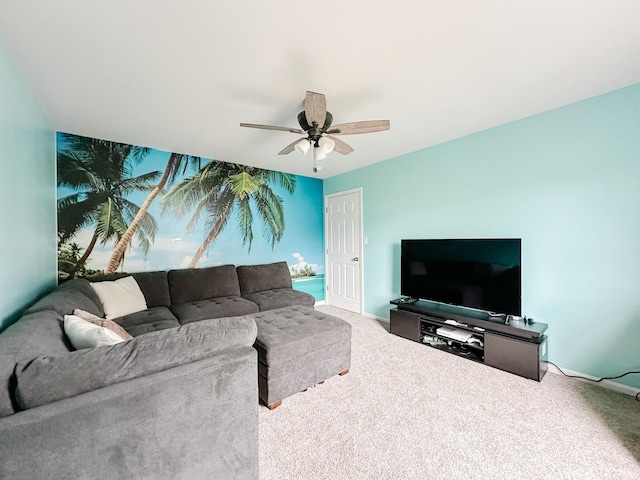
(312, 285)
(132, 209)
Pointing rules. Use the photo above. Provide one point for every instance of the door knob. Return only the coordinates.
(354, 259)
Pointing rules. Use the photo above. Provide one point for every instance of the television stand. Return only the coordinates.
(516, 347)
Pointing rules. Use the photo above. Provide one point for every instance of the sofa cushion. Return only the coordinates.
(102, 322)
(149, 320)
(154, 285)
(286, 333)
(84, 334)
(51, 378)
(281, 297)
(213, 308)
(84, 286)
(33, 335)
(257, 278)
(76, 293)
(120, 297)
(192, 284)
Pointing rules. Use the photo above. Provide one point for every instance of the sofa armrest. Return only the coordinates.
(199, 420)
(48, 379)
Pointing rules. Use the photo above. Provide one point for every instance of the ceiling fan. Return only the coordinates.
(315, 122)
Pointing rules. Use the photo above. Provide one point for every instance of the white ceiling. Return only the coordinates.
(181, 76)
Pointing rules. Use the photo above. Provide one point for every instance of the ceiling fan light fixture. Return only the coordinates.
(302, 146)
(326, 144)
(318, 154)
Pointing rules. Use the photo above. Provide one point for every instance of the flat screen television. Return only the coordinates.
(483, 274)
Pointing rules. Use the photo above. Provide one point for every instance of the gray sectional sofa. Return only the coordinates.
(179, 400)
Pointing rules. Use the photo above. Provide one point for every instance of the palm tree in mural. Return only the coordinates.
(177, 164)
(68, 255)
(220, 189)
(99, 172)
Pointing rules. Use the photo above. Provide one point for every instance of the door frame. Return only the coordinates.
(327, 273)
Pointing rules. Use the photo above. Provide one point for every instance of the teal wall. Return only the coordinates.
(27, 195)
(567, 182)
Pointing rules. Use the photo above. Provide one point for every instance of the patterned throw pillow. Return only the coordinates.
(102, 322)
(84, 334)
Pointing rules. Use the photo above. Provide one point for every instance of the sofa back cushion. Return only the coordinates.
(33, 335)
(68, 296)
(154, 285)
(257, 278)
(193, 284)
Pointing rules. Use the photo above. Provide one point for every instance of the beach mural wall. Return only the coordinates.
(125, 208)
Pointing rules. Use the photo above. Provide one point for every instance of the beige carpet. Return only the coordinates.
(407, 411)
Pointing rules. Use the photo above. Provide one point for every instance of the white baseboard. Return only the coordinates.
(608, 384)
(375, 317)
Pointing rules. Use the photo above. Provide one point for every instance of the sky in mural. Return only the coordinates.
(300, 246)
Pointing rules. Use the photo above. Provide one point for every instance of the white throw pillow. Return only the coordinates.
(102, 322)
(120, 297)
(83, 334)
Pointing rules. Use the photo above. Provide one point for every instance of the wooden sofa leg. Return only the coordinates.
(344, 372)
(274, 405)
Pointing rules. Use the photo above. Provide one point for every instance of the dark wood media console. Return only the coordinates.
(516, 347)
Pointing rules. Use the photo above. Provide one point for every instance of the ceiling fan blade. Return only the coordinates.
(315, 108)
(272, 127)
(340, 146)
(368, 126)
(289, 148)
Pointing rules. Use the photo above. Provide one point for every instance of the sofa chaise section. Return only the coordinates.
(299, 347)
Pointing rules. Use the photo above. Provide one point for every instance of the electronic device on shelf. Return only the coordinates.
(475, 341)
(481, 274)
(454, 333)
(407, 300)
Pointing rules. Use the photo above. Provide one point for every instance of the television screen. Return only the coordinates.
(476, 273)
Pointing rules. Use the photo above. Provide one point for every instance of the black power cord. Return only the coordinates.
(597, 380)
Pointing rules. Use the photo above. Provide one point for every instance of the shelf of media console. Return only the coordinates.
(472, 348)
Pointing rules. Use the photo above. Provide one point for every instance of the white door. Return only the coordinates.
(343, 243)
